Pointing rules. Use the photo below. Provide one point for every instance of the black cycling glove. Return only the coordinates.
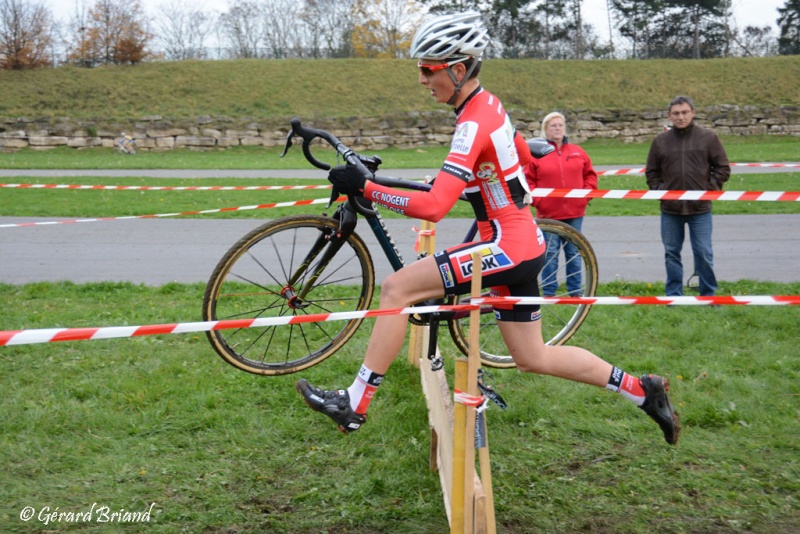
(347, 179)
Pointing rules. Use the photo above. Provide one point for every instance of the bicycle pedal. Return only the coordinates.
(436, 363)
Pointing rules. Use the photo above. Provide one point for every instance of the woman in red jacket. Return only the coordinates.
(569, 167)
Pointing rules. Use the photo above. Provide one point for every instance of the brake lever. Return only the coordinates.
(334, 196)
(288, 143)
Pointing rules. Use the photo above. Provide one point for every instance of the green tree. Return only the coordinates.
(789, 24)
(514, 26)
(635, 20)
(553, 16)
(699, 11)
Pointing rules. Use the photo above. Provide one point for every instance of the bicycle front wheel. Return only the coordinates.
(278, 270)
(559, 322)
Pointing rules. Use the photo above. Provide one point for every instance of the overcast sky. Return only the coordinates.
(746, 12)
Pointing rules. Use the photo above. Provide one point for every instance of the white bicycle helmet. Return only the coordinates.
(451, 36)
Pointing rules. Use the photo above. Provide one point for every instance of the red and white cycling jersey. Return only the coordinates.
(486, 161)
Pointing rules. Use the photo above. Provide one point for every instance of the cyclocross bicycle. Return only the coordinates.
(309, 264)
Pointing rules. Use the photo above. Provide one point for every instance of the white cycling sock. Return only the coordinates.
(363, 389)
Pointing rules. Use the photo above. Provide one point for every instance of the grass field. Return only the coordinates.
(750, 149)
(161, 419)
(347, 88)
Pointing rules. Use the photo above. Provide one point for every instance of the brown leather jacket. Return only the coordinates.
(691, 158)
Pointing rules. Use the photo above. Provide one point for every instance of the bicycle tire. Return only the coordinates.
(559, 322)
(252, 278)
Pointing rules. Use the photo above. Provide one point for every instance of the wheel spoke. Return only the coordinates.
(253, 280)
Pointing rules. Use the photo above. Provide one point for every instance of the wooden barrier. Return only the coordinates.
(468, 499)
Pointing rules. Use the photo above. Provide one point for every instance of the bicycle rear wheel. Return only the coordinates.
(559, 322)
(269, 273)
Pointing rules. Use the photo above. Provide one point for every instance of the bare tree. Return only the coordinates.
(755, 41)
(183, 29)
(329, 24)
(75, 35)
(384, 28)
(283, 35)
(113, 31)
(25, 34)
(243, 29)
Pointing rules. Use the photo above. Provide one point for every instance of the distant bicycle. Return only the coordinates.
(126, 144)
(305, 264)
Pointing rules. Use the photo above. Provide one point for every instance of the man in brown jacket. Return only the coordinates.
(687, 157)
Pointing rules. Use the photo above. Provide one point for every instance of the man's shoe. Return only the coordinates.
(334, 404)
(657, 406)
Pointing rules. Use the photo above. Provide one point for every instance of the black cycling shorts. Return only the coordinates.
(499, 273)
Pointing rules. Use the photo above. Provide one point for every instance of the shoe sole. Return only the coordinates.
(676, 425)
(316, 408)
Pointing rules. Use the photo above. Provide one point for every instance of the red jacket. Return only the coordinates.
(568, 168)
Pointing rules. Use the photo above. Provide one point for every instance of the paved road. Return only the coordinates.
(157, 251)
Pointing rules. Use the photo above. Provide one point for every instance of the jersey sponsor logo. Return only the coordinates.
(503, 141)
(464, 137)
(390, 199)
(497, 195)
(459, 172)
(447, 275)
(491, 261)
(487, 171)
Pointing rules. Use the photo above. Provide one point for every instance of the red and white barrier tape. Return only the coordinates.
(768, 196)
(539, 192)
(165, 188)
(465, 398)
(609, 172)
(162, 215)
(50, 335)
(640, 170)
(757, 300)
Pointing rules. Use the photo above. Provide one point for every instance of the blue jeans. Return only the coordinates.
(574, 264)
(672, 235)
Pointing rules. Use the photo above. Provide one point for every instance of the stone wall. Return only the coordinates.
(157, 133)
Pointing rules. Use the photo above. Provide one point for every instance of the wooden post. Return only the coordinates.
(418, 337)
(470, 509)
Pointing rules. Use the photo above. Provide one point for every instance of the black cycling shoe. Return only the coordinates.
(334, 404)
(658, 407)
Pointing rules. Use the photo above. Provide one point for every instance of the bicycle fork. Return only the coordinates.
(330, 241)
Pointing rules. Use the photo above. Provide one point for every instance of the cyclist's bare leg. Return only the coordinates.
(524, 341)
(414, 283)
(531, 355)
